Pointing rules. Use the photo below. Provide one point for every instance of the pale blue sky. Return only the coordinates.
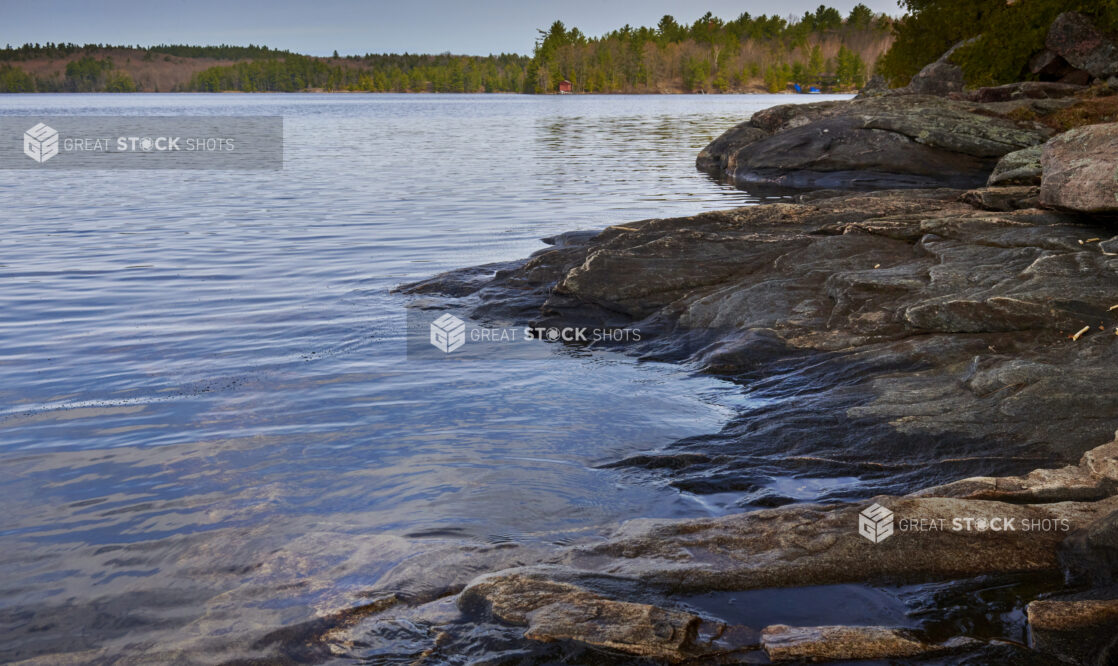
(318, 27)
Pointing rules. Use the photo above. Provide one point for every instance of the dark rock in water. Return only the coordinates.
(554, 611)
(1080, 631)
(884, 141)
(1021, 167)
(1075, 38)
(925, 306)
(904, 339)
(1080, 168)
(849, 150)
(714, 156)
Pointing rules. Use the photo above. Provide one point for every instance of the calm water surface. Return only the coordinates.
(208, 425)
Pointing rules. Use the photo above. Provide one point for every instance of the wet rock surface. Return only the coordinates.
(623, 594)
(936, 330)
(903, 340)
(1073, 37)
(947, 354)
(1076, 631)
(784, 643)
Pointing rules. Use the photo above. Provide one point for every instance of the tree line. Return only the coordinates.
(1001, 35)
(823, 49)
(369, 73)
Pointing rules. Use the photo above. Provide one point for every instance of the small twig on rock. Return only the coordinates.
(1080, 333)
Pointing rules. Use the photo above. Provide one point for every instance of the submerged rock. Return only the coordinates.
(618, 594)
(1081, 170)
(905, 338)
(784, 643)
(554, 611)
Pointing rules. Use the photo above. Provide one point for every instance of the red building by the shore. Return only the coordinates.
(564, 86)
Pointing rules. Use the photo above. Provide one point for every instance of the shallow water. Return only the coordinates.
(208, 425)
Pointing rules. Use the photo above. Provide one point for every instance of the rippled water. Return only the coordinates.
(208, 426)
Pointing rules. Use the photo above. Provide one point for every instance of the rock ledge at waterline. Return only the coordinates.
(957, 341)
(954, 350)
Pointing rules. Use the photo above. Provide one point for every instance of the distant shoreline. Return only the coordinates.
(425, 92)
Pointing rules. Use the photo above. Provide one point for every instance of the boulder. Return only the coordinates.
(941, 77)
(833, 643)
(1021, 167)
(637, 629)
(938, 78)
(554, 610)
(1081, 170)
(892, 140)
(877, 85)
(1075, 38)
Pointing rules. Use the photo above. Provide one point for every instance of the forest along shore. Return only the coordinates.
(953, 344)
(761, 54)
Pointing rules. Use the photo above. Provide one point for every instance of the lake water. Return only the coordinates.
(208, 425)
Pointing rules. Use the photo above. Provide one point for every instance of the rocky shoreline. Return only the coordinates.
(953, 346)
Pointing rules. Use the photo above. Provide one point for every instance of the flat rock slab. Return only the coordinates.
(833, 643)
(555, 610)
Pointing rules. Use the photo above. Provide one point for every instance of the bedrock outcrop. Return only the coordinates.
(918, 331)
(954, 361)
(948, 354)
(629, 592)
(893, 140)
